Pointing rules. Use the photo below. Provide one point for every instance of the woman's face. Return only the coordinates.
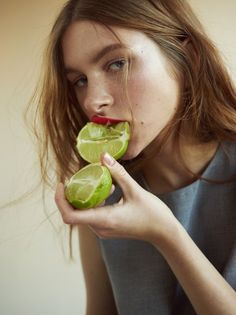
(95, 62)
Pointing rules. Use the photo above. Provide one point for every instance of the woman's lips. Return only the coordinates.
(104, 120)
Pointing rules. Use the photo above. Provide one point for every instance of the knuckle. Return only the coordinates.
(56, 199)
(103, 234)
(112, 221)
(121, 170)
(67, 219)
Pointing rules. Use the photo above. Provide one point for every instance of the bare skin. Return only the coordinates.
(96, 278)
(169, 168)
(141, 215)
(154, 96)
(152, 87)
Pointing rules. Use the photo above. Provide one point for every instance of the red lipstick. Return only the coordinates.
(105, 120)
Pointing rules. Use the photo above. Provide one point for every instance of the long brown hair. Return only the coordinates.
(208, 98)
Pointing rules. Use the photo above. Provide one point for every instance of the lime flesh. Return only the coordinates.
(95, 139)
(89, 187)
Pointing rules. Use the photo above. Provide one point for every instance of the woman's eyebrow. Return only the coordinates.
(99, 55)
(105, 51)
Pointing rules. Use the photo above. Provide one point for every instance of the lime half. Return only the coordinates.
(89, 186)
(95, 139)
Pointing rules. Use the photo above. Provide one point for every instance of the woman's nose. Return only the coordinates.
(97, 99)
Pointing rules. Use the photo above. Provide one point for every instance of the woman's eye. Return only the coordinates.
(117, 65)
(80, 82)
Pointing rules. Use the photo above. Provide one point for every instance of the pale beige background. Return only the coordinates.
(35, 278)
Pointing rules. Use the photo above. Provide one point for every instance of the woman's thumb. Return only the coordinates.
(118, 172)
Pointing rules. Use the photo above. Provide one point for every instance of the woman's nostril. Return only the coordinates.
(97, 103)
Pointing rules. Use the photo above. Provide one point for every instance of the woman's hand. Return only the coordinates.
(138, 215)
(141, 215)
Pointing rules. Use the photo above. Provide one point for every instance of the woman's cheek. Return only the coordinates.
(136, 143)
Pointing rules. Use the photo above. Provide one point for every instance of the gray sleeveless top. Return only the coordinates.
(142, 281)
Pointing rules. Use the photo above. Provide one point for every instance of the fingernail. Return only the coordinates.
(109, 160)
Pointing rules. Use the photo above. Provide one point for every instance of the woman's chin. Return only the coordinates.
(130, 155)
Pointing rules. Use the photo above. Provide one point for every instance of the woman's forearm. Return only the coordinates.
(206, 289)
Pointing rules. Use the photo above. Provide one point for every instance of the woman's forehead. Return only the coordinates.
(86, 38)
(89, 30)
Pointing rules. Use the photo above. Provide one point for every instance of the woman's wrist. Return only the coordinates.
(206, 289)
(164, 239)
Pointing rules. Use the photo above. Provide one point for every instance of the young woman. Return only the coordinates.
(165, 242)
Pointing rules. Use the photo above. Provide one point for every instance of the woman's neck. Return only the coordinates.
(167, 171)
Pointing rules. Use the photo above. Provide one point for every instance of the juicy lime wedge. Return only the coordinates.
(95, 139)
(89, 186)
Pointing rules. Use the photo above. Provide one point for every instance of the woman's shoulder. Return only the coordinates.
(223, 164)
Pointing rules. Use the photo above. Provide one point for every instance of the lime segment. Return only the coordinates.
(95, 139)
(89, 187)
